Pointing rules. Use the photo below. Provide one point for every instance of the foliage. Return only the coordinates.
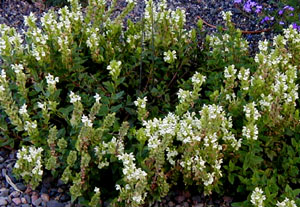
(98, 102)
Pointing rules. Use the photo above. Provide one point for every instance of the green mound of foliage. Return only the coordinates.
(123, 113)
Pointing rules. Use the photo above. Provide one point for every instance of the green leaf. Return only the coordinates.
(66, 111)
(130, 110)
(118, 95)
(231, 178)
(116, 108)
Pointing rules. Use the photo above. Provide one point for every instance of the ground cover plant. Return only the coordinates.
(124, 113)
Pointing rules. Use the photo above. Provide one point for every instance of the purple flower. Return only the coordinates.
(266, 19)
(258, 9)
(289, 8)
(295, 26)
(280, 12)
(248, 5)
(281, 23)
(237, 1)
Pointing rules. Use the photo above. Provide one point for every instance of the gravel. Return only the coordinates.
(50, 192)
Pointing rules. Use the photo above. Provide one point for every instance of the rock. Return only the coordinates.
(4, 192)
(65, 198)
(37, 202)
(28, 199)
(53, 192)
(24, 200)
(34, 197)
(196, 199)
(1, 159)
(171, 204)
(53, 203)
(45, 197)
(25, 205)
(60, 183)
(185, 204)
(199, 205)
(21, 186)
(3, 201)
(180, 198)
(15, 194)
(17, 201)
(44, 189)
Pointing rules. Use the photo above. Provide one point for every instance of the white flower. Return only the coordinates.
(23, 109)
(257, 197)
(118, 187)
(2, 88)
(40, 105)
(141, 102)
(286, 203)
(170, 56)
(137, 198)
(3, 74)
(97, 190)
(74, 98)
(17, 68)
(86, 121)
(97, 97)
(51, 80)
(130, 1)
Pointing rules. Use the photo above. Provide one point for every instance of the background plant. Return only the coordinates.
(234, 123)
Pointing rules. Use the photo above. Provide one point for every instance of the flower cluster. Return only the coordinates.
(170, 56)
(141, 105)
(286, 203)
(134, 192)
(29, 165)
(257, 197)
(114, 69)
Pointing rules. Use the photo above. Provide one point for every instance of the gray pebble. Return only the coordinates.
(171, 204)
(180, 198)
(28, 199)
(37, 202)
(1, 159)
(3, 201)
(17, 201)
(25, 205)
(4, 192)
(21, 186)
(54, 203)
(196, 198)
(15, 194)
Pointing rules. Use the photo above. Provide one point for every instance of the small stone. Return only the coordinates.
(23, 200)
(196, 199)
(44, 189)
(15, 194)
(60, 183)
(199, 205)
(53, 203)
(60, 190)
(21, 186)
(28, 199)
(25, 205)
(65, 198)
(4, 192)
(3, 201)
(37, 202)
(45, 197)
(1, 159)
(34, 197)
(17, 201)
(186, 204)
(171, 204)
(180, 198)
